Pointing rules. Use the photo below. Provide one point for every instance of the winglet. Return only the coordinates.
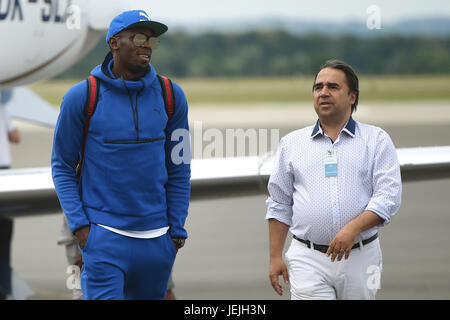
(26, 105)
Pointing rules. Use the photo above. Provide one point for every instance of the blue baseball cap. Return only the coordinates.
(134, 19)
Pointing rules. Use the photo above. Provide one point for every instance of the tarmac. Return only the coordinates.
(226, 255)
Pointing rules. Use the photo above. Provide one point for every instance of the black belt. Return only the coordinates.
(324, 249)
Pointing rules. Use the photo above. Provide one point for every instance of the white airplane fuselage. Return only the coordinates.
(42, 38)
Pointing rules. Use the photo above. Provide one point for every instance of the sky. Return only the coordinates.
(192, 11)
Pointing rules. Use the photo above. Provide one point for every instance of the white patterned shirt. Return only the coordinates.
(317, 203)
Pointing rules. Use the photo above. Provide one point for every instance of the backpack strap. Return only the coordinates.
(93, 85)
(168, 96)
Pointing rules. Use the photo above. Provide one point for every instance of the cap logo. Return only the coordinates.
(143, 14)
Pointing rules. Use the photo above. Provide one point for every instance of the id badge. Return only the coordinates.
(330, 164)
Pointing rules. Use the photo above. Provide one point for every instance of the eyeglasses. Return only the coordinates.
(139, 39)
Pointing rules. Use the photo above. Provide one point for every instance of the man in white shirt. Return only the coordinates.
(8, 133)
(333, 185)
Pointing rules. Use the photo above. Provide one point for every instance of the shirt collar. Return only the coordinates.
(317, 129)
(350, 128)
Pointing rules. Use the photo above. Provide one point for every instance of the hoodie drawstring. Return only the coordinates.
(135, 112)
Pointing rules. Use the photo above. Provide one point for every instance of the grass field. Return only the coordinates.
(295, 89)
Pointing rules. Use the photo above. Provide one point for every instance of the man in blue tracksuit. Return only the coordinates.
(129, 207)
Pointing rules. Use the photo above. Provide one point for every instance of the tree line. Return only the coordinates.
(279, 53)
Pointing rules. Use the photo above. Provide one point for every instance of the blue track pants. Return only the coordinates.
(117, 267)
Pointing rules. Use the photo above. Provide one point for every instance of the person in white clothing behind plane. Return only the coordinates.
(8, 133)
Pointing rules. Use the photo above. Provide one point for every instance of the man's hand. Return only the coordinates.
(277, 236)
(277, 268)
(343, 242)
(176, 246)
(82, 235)
(79, 260)
(14, 136)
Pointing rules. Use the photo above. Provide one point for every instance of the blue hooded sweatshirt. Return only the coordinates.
(129, 180)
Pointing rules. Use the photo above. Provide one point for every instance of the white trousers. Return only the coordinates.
(312, 275)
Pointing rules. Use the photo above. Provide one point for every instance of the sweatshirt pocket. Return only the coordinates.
(135, 175)
(133, 141)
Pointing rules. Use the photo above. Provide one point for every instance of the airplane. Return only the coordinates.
(50, 37)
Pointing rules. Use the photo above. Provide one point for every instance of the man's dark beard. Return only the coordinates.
(138, 70)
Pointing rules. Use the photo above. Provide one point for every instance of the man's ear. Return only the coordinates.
(352, 95)
(114, 43)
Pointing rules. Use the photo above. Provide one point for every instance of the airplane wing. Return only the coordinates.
(24, 104)
(26, 192)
